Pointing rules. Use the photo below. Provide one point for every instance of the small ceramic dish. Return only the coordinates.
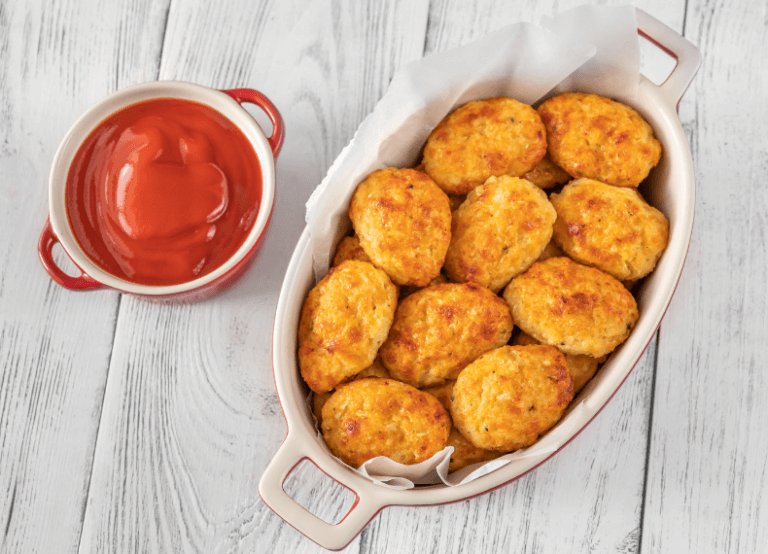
(227, 103)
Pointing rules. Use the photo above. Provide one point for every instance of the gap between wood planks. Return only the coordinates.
(117, 318)
(649, 438)
(98, 425)
(648, 442)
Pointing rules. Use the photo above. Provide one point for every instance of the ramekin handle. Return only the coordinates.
(332, 537)
(45, 251)
(255, 97)
(673, 43)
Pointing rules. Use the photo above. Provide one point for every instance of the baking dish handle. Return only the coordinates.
(332, 537)
(687, 55)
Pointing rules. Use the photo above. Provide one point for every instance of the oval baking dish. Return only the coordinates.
(670, 188)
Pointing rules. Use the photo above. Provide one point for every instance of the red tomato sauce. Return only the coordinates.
(163, 192)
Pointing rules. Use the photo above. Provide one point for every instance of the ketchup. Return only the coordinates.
(163, 192)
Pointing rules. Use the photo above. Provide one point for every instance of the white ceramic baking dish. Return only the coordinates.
(670, 187)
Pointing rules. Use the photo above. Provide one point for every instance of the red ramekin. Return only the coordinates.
(227, 103)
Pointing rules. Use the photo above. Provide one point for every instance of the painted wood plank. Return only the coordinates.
(56, 59)
(589, 498)
(707, 483)
(191, 416)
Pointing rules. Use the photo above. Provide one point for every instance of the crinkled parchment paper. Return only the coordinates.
(523, 61)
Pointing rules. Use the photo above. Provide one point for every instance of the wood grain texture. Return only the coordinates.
(707, 485)
(453, 23)
(55, 345)
(191, 416)
(186, 413)
(155, 442)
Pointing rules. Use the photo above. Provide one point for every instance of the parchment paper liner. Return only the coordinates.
(588, 49)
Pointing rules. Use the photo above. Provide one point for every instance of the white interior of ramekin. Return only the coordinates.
(670, 188)
(125, 97)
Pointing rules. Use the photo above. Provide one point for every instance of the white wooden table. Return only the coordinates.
(132, 427)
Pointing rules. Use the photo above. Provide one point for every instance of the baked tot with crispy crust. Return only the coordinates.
(349, 249)
(403, 221)
(510, 396)
(547, 174)
(485, 138)
(382, 417)
(610, 228)
(464, 452)
(498, 232)
(593, 136)
(579, 309)
(440, 329)
(581, 368)
(344, 320)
